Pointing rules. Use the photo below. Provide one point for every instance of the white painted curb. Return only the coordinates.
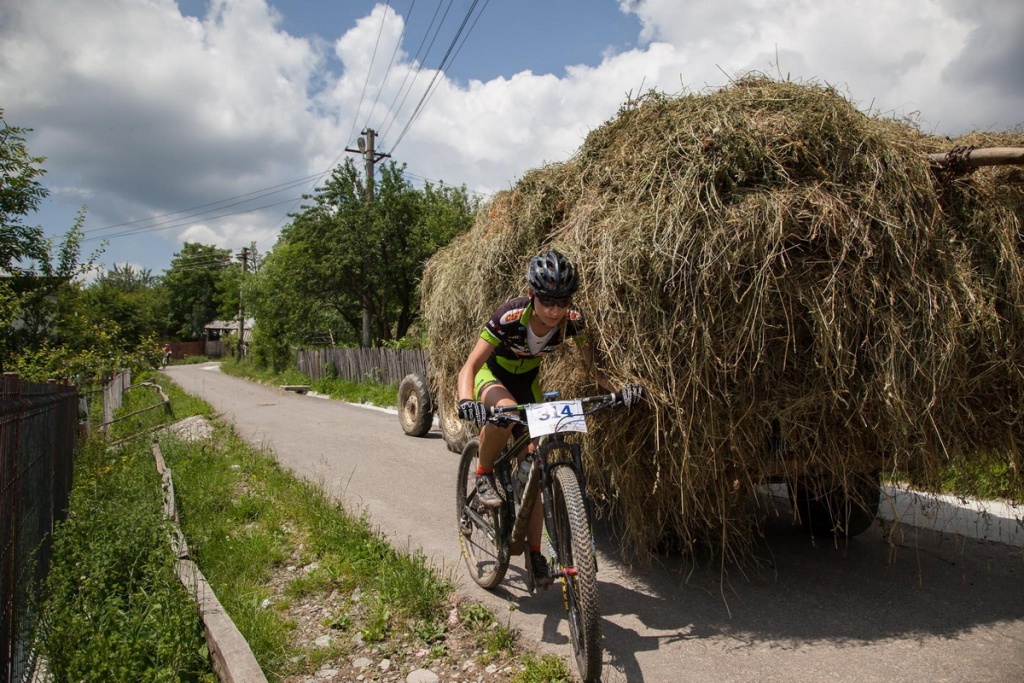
(985, 520)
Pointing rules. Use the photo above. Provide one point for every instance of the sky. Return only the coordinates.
(206, 120)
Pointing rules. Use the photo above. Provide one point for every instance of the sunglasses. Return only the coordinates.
(552, 302)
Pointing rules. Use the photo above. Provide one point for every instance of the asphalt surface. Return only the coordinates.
(921, 606)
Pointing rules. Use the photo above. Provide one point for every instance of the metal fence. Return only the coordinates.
(38, 423)
(358, 365)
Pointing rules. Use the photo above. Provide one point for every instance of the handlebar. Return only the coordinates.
(499, 414)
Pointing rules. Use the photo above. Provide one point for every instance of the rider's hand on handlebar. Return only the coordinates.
(631, 394)
(473, 411)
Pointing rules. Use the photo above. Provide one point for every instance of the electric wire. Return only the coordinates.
(262, 192)
(419, 66)
(369, 70)
(186, 222)
(394, 53)
(426, 94)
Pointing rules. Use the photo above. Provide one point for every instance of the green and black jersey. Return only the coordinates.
(517, 353)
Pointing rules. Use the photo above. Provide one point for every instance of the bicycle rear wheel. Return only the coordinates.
(575, 548)
(483, 533)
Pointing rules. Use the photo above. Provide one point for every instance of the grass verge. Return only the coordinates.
(113, 608)
(277, 550)
(374, 393)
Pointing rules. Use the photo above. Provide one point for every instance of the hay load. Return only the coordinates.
(803, 297)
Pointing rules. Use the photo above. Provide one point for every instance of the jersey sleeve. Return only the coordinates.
(488, 336)
(493, 332)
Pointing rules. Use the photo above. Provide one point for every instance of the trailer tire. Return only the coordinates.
(415, 407)
(456, 432)
(833, 509)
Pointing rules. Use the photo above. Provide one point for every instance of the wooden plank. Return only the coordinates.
(230, 653)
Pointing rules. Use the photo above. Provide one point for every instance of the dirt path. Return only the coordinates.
(925, 607)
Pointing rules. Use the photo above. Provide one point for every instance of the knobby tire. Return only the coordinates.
(574, 544)
(486, 560)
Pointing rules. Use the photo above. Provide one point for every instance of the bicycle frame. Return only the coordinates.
(545, 465)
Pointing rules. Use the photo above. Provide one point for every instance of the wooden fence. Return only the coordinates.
(386, 366)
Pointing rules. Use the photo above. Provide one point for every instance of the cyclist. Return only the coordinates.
(502, 370)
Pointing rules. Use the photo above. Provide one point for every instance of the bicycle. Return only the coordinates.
(489, 537)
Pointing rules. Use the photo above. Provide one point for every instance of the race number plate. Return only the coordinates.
(556, 416)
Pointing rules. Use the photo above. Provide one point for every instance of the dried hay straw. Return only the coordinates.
(787, 277)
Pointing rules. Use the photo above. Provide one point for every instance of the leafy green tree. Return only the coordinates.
(134, 299)
(342, 254)
(20, 195)
(194, 288)
(47, 329)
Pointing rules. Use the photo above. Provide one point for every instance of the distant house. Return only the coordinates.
(218, 329)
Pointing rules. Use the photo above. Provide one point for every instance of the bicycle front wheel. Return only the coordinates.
(482, 532)
(575, 548)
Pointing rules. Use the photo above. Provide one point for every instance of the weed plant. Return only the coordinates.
(114, 609)
(189, 360)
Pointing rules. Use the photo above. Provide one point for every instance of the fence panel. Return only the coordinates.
(113, 391)
(38, 423)
(387, 366)
(182, 350)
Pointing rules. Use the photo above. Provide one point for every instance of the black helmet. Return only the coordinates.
(551, 274)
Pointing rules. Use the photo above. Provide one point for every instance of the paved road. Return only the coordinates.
(927, 607)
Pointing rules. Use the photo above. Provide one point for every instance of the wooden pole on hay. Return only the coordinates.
(963, 159)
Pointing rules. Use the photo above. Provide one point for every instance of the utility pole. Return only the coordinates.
(244, 256)
(370, 157)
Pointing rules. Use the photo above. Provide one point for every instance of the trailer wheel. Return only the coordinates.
(456, 432)
(415, 407)
(834, 509)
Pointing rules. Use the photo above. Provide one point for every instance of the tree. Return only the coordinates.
(46, 327)
(134, 299)
(194, 290)
(342, 252)
(20, 195)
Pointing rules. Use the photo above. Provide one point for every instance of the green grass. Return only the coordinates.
(544, 669)
(189, 360)
(141, 398)
(247, 521)
(113, 608)
(265, 540)
(982, 476)
(375, 393)
(246, 369)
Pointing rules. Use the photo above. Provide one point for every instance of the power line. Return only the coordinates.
(380, 89)
(428, 91)
(369, 70)
(263, 192)
(419, 65)
(186, 222)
